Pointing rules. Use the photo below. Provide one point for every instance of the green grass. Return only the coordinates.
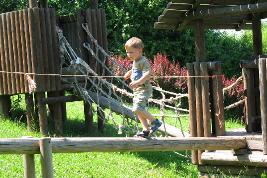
(124, 164)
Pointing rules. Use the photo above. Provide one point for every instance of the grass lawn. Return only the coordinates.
(124, 164)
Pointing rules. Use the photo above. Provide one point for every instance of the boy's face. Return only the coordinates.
(133, 53)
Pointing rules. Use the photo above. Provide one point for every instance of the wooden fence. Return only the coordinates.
(205, 96)
(28, 44)
(46, 146)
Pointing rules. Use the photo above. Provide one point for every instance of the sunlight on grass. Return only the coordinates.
(143, 164)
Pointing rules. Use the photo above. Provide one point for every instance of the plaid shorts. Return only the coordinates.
(140, 100)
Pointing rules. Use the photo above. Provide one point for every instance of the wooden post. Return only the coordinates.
(56, 112)
(33, 3)
(192, 108)
(63, 108)
(217, 95)
(5, 105)
(263, 97)
(257, 35)
(43, 3)
(199, 40)
(29, 165)
(32, 121)
(42, 114)
(205, 99)
(88, 113)
(46, 157)
(199, 107)
(100, 120)
(94, 4)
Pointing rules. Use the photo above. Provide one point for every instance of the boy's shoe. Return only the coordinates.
(144, 134)
(155, 125)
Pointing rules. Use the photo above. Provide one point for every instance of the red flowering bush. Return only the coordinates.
(172, 76)
(167, 75)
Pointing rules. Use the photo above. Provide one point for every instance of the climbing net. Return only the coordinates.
(106, 90)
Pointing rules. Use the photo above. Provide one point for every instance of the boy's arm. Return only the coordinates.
(127, 75)
(142, 80)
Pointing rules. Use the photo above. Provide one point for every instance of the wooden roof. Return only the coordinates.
(216, 14)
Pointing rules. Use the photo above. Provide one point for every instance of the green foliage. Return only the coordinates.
(229, 50)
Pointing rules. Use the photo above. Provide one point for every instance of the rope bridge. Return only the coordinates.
(108, 92)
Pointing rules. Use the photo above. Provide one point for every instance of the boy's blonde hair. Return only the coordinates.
(134, 42)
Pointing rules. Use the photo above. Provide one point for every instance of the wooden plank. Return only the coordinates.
(32, 45)
(263, 103)
(56, 58)
(192, 108)
(205, 99)
(20, 48)
(19, 52)
(227, 158)
(236, 171)
(14, 49)
(6, 51)
(39, 62)
(11, 65)
(50, 50)
(118, 144)
(27, 50)
(4, 81)
(45, 61)
(46, 157)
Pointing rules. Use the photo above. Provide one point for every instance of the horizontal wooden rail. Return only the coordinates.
(120, 144)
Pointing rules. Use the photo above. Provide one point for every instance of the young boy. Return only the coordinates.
(142, 89)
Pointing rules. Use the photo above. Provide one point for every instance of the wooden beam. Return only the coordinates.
(118, 144)
(216, 2)
(257, 35)
(179, 6)
(233, 10)
(162, 25)
(199, 41)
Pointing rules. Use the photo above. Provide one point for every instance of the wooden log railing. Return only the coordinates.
(46, 146)
(205, 101)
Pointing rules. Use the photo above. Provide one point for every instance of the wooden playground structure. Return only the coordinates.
(29, 45)
(205, 86)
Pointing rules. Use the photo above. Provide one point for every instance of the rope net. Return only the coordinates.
(107, 91)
